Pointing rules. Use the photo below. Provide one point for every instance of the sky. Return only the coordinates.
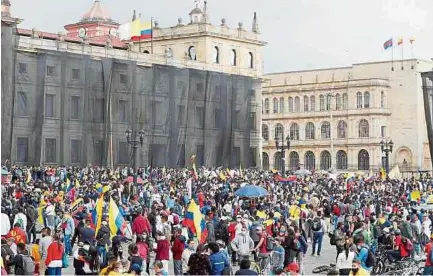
(301, 34)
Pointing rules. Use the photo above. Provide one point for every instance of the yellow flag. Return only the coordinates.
(40, 209)
(222, 176)
(29, 176)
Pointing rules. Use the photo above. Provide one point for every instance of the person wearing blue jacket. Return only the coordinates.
(218, 262)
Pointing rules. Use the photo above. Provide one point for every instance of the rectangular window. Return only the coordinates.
(181, 157)
(98, 111)
(200, 116)
(180, 115)
(181, 88)
(22, 68)
(200, 87)
(237, 120)
(50, 150)
(22, 149)
(49, 106)
(98, 150)
(383, 131)
(75, 107)
(253, 120)
(123, 153)
(252, 94)
(123, 78)
(218, 118)
(219, 156)
(51, 71)
(253, 157)
(123, 111)
(76, 74)
(236, 157)
(21, 101)
(75, 151)
(200, 155)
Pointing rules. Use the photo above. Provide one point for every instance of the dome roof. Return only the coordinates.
(97, 12)
(196, 10)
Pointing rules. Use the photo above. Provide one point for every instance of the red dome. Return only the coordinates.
(97, 12)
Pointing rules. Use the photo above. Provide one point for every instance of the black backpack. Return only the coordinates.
(269, 244)
(332, 239)
(220, 231)
(28, 265)
(371, 259)
(317, 224)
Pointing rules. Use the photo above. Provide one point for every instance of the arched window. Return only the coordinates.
(305, 103)
(310, 160)
(337, 102)
(366, 99)
(294, 132)
(265, 161)
(250, 60)
(313, 103)
(328, 101)
(146, 52)
(293, 161)
(382, 99)
(341, 160)
(265, 132)
(325, 130)
(325, 160)
(363, 128)
(290, 104)
(192, 54)
(216, 55)
(310, 131)
(169, 52)
(275, 103)
(233, 58)
(279, 131)
(282, 105)
(363, 160)
(359, 100)
(342, 130)
(267, 106)
(345, 101)
(297, 104)
(322, 102)
(278, 161)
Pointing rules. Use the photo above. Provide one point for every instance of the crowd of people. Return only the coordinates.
(51, 222)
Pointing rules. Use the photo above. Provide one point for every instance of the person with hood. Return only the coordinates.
(243, 244)
(23, 262)
(32, 216)
(218, 262)
(102, 241)
(210, 230)
(162, 249)
(177, 249)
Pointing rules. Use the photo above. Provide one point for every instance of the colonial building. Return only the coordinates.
(337, 117)
(70, 97)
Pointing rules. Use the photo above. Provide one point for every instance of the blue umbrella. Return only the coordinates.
(251, 191)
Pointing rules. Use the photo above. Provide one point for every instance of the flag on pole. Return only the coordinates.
(136, 29)
(97, 213)
(412, 40)
(29, 176)
(387, 44)
(400, 41)
(124, 31)
(146, 30)
(382, 173)
(116, 221)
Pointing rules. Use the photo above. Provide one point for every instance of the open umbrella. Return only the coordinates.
(130, 179)
(302, 172)
(251, 191)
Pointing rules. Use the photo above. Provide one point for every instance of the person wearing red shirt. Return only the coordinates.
(54, 259)
(399, 248)
(261, 247)
(18, 234)
(162, 250)
(140, 225)
(177, 249)
(428, 268)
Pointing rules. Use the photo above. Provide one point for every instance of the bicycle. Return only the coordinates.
(263, 266)
(323, 269)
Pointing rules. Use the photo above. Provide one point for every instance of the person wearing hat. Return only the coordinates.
(428, 268)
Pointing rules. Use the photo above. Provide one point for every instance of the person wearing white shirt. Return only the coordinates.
(5, 224)
(186, 254)
(50, 212)
(344, 261)
(22, 220)
(426, 223)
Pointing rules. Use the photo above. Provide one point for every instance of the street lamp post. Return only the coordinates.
(283, 148)
(386, 148)
(134, 140)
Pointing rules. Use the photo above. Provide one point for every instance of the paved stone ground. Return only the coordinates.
(328, 255)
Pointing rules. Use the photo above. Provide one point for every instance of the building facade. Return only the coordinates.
(337, 117)
(71, 99)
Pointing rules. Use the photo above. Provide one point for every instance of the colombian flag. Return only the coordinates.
(195, 222)
(97, 213)
(116, 221)
(146, 30)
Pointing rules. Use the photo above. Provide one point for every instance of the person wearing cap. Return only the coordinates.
(428, 268)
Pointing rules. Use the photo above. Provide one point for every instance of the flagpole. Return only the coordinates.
(151, 35)
(139, 40)
(392, 57)
(402, 57)
(411, 54)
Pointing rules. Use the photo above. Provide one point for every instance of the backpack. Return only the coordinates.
(332, 240)
(269, 244)
(371, 259)
(317, 225)
(28, 265)
(220, 231)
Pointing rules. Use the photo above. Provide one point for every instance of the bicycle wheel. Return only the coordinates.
(379, 268)
(255, 267)
(320, 269)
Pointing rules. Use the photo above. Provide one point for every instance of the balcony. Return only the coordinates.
(327, 113)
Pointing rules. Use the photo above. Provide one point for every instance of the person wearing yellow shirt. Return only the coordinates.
(261, 214)
(358, 270)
